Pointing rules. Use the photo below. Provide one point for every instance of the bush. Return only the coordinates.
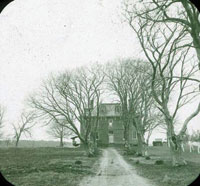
(138, 154)
(131, 152)
(78, 162)
(159, 162)
(147, 158)
(137, 162)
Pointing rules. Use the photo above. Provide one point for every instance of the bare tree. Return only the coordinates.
(129, 80)
(23, 126)
(116, 82)
(165, 49)
(181, 12)
(156, 121)
(59, 132)
(72, 96)
(8, 141)
(2, 112)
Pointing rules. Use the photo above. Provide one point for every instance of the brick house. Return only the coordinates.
(110, 130)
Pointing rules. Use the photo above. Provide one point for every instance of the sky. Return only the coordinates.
(40, 37)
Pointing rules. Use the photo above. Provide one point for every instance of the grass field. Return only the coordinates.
(44, 166)
(56, 166)
(176, 176)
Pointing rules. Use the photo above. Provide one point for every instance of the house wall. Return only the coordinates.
(103, 132)
(117, 129)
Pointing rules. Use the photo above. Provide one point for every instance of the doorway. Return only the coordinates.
(111, 137)
(110, 132)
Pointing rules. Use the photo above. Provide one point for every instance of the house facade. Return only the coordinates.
(110, 129)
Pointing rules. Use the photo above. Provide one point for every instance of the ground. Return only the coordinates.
(114, 170)
(56, 166)
(165, 174)
(44, 166)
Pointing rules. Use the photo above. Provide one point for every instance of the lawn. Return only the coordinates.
(45, 166)
(181, 176)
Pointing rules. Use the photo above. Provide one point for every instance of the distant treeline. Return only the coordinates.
(31, 143)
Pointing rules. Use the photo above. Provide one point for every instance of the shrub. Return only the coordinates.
(137, 162)
(131, 152)
(159, 162)
(78, 162)
(147, 158)
(138, 154)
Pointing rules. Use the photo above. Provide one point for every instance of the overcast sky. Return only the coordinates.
(43, 36)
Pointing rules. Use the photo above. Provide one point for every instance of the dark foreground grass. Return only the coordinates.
(45, 166)
(174, 176)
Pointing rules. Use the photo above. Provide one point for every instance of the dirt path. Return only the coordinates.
(115, 171)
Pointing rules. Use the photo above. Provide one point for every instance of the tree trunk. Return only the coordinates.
(147, 146)
(89, 149)
(126, 123)
(142, 149)
(95, 145)
(147, 141)
(148, 137)
(175, 146)
(92, 145)
(95, 149)
(17, 142)
(176, 154)
(197, 48)
(61, 141)
(126, 137)
(168, 141)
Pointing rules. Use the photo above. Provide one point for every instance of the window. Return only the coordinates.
(110, 132)
(117, 109)
(110, 124)
(103, 109)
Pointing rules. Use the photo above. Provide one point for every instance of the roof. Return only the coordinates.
(108, 110)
